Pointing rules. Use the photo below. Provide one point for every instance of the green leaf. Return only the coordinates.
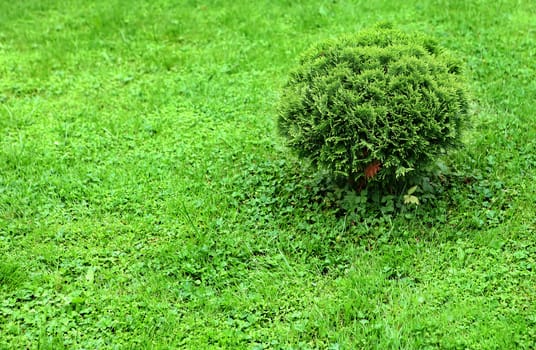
(411, 199)
(412, 190)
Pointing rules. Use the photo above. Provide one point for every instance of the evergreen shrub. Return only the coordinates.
(374, 106)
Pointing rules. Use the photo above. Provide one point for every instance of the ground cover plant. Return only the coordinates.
(147, 201)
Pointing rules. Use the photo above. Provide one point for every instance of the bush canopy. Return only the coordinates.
(374, 106)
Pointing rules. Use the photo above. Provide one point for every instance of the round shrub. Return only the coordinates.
(374, 106)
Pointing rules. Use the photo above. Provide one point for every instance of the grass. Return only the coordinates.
(146, 200)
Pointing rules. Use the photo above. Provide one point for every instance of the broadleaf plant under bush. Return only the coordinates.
(374, 106)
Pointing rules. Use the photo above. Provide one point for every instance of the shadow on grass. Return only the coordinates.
(290, 194)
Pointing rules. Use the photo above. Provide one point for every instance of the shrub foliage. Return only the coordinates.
(377, 105)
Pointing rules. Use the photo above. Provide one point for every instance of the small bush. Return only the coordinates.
(374, 106)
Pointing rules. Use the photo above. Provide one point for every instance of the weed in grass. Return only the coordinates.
(11, 275)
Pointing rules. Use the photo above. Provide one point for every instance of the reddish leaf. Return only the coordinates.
(372, 169)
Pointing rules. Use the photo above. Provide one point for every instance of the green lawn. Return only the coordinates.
(147, 201)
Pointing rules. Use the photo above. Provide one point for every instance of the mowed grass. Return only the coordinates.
(146, 200)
